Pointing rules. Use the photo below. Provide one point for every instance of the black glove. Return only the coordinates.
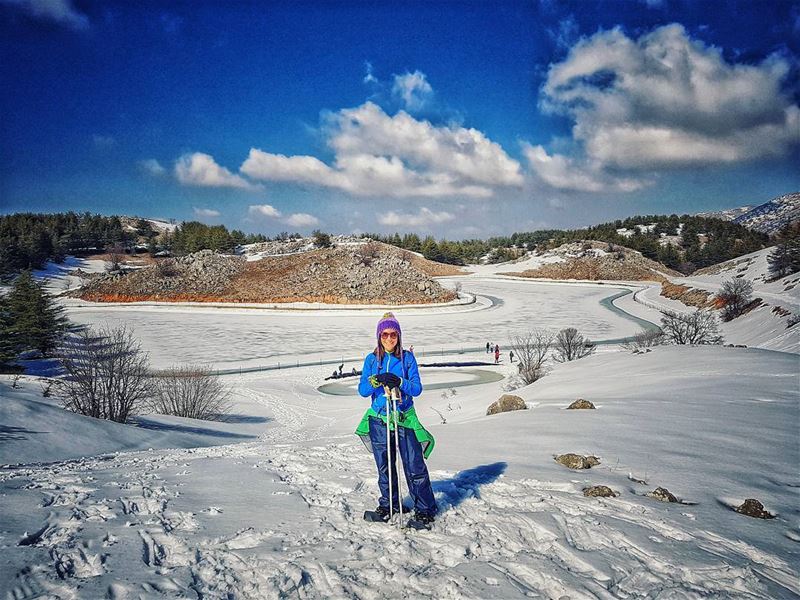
(390, 380)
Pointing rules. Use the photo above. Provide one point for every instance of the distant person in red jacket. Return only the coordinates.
(497, 354)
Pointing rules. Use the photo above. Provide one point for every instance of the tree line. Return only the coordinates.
(28, 241)
(723, 241)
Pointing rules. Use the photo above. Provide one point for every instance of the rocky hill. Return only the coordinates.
(592, 261)
(369, 273)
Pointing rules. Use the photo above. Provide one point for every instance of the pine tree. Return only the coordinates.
(9, 348)
(785, 258)
(37, 322)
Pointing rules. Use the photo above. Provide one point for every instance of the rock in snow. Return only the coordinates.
(580, 404)
(506, 403)
(577, 461)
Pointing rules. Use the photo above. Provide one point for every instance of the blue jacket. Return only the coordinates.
(406, 369)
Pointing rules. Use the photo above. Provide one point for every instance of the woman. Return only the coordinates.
(388, 366)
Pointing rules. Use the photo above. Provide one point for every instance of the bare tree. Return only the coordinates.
(368, 252)
(46, 387)
(571, 345)
(698, 327)
(645, 339)
(166, 267)
(532, 350)
(190, 391)
(736, 294)
(116, 254)
(107, 374)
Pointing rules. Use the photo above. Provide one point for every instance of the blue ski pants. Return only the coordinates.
(416, 472)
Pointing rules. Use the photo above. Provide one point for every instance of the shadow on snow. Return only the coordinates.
(466, 484)
(146, 423)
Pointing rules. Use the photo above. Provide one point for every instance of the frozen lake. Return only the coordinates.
(247, 337)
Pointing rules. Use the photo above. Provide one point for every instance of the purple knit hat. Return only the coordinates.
(389, 321)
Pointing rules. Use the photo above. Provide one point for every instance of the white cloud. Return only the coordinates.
(56, 11)
(265, 210)
(152, 167)
(668, 100)
(201, 170)
(413, 89)
(302, 220)
(369, 77)
(206, 212)
(399, 156)
(293, 220)
(563, 172)
(423, 218)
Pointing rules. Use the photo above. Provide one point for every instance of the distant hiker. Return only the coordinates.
(388, 367)
(497, 354)
(411, 348)
(511, 356)
(487, 347)
(341, 366)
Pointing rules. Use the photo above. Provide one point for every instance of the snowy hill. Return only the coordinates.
(772, 216)
(582, 260)
(280, 516)
(770, 325)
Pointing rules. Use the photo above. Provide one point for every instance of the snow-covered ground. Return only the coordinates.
(280, 516)
(269, 504)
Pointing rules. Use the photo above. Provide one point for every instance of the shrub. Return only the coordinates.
(107, 375)
(321, 239)
(532, 349)
(645, 339)
(736, 294)
(571, 345)
(698, 327)
(190, 391)
(166, 267)
(116, 254)
(366, 253)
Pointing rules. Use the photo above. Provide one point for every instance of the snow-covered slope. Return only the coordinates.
(726, 215)
(772, 216)
(37, 429)
(768, 325)
(281, 516)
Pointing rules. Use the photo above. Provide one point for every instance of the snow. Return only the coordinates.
(161, 225)
(269, 503)
(238, 337)
(280, 515)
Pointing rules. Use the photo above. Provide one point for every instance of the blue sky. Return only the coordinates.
(459, 119)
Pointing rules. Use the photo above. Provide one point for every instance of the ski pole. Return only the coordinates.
(395, 393)
(389, 453)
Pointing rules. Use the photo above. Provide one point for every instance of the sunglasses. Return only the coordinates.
(388, 334)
